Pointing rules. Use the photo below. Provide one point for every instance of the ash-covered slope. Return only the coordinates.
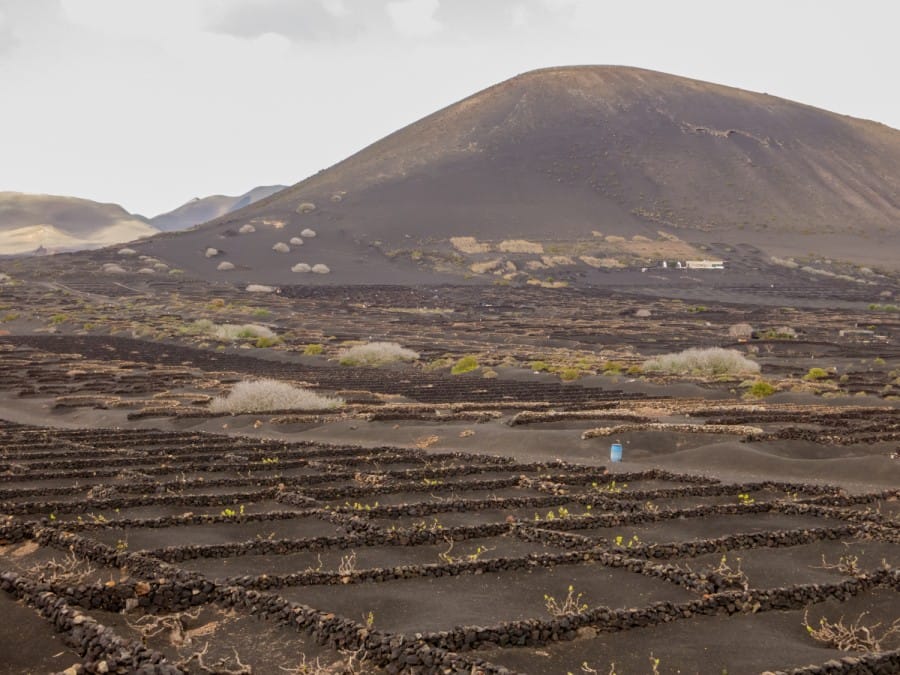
(577, 162)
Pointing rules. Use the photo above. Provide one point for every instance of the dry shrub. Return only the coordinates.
(601, 263)
(127, 251)
(306, 207)
(556, 260)
(308, 233)
(296, 241)
(301, 267)
(247, 229)
(469, 245)
(231, 331)
(854, 637)
(321, 269)
(702, 362)
(225, 266)
(281, 247)
(520, 246)
(112, 268)
(376, 354)
(741, 331)
(268, 394)
(211, 252)
(486, 266)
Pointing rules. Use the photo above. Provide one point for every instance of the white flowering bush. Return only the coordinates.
(265, 395)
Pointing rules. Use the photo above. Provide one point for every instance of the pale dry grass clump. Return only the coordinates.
(376, 354)
(556, 260)
(321, 269)
(247, 229)
(260, 288)
(601, 263)
(211, 252)
(469, 245)
(267, 394)
(281, 247)
(225, 266)
(231, 331)
(703, 362)
(301, 267)
(486, 266)
(308, 233)
(306, 207)
(296, 241)
(520, 246)
(127, 251)
(112, 268)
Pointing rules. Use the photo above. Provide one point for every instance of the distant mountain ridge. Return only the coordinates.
(203, 209)
(52, 223)
(49, 223)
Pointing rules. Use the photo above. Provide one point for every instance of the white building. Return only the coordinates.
(705, 264)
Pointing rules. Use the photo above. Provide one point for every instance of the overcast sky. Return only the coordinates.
(149, 103)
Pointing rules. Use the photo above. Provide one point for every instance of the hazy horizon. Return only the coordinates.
(150, 104)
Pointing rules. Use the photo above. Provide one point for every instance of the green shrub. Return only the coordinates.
(613, 367)
(702, 362)
(464, 365)
(635, 370)
(313, 349)
(569, 374)
(761, 389)
(373, 354)
(540, 366)
(816, 374)
(262, 342)
(267, 394)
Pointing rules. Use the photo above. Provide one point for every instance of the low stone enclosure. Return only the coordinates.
(180, 551)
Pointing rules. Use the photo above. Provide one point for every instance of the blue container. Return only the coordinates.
(615, 452)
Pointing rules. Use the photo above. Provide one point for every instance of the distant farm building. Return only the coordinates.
(705, 264)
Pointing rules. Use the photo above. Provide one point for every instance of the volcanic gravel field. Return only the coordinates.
(439, 523)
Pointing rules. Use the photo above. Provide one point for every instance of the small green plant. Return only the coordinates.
(815, 374)
(761, 389)
(611, 487)
(57, 319)
(359, 506)
(613, 367)
(569, 374)
(432, 481)
(540, 366)
(446, 556)
(369, 619)
(466, 364)
(313, 349)
(270, 460)
(634, 542)
(571, 604)
(745, 499)
(121, 545)
(231, 513)
(261, 313)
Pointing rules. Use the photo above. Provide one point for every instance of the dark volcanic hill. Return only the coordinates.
(202, 209)
(575, 167)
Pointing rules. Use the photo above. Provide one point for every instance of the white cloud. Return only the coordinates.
(414, 18)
